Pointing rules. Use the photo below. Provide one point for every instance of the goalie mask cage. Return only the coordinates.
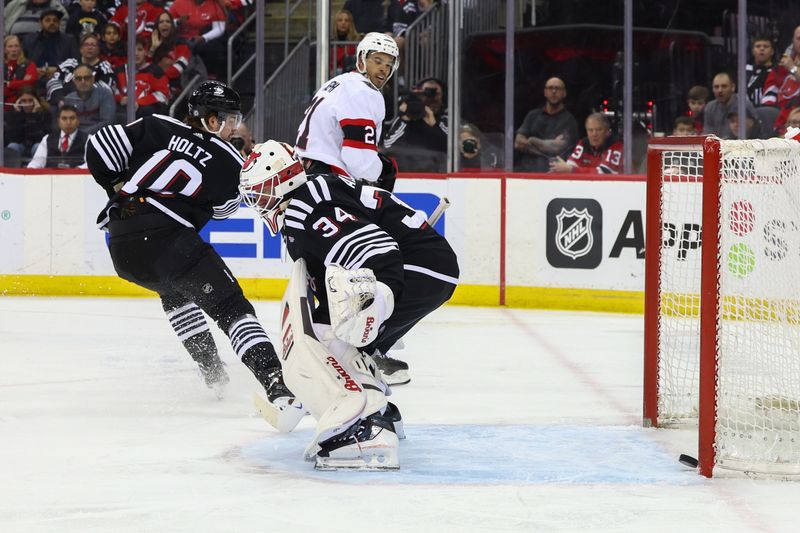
(722, 299)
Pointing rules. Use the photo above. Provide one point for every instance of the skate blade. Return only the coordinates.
(284, 419)
(375, 463)
(401, 377)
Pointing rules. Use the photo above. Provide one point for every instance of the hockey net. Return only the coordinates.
(722, 333)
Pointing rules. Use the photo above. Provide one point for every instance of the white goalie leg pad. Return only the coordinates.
(358, 304)
(330, 383)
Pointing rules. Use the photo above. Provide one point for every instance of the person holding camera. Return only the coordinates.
(547, 133)
(417, 137)
(474, 154)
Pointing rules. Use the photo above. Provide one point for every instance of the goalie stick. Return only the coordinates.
(444, 203)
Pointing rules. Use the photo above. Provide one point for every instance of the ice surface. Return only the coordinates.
(517, 421)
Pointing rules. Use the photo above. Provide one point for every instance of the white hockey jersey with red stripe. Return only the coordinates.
(342, 127)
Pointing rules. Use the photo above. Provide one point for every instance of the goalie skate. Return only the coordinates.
(369, 445)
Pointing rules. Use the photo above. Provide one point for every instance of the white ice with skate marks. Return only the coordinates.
(495, 455)
(516, 420)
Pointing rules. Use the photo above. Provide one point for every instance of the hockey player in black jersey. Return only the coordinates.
(165, 180)
(375, 267)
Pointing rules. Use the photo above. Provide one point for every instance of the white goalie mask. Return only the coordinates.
(270, 172)
(376, 42)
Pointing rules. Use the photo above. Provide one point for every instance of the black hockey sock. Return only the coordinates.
(192, 330)
(252, 345)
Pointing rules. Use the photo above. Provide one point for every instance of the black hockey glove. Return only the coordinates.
(388, 173)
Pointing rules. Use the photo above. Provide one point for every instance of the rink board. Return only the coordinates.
(523, 240)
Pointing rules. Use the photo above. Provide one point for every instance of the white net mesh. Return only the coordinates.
(758, 376)
(679, 319)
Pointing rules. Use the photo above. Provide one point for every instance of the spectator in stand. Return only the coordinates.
(368, 15)
(62, 149)
(783, 85)
(344, 30)
(86, 19)
(793, 120)
(27, 122)
(93, 102)
(106, 7)
(61, 83)
(759, 70)
(112, 49)
(753, 128)
(696, 101)
(684, 127)
(547, 132)
(401, 13)
(202, 24)
(417, 137)
(599, 152)
(146, 15)
(169, 52)
(725, 101)
(22, 16)
(152, 86)
(49, 47)
(475, 154)
(19, 71)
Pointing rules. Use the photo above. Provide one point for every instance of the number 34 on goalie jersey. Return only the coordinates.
(331, 224)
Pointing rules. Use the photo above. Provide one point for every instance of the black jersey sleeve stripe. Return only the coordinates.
(113, 147)
(323, 186)
(358, 253)
(372, 253)
(228, 208)
(341, 244)
(355, 246)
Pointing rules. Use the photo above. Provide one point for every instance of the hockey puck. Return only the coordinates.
(688, 460)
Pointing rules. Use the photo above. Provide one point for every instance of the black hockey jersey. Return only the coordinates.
(336, 219)
(188, 174)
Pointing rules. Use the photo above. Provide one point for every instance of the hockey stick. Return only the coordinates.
(444, 203)
(284, 418)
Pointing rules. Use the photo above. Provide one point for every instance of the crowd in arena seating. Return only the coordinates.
(73, 53)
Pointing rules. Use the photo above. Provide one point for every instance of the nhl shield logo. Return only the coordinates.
(574, 232)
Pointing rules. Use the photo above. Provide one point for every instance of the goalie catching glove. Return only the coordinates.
(358, 304)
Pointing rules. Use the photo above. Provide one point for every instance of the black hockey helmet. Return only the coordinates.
(213, 96)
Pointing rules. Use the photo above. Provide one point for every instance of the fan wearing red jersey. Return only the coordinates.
(600, 152)
(342, 125)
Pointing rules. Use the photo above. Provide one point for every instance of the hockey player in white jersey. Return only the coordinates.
(341, 131)
(342, 125)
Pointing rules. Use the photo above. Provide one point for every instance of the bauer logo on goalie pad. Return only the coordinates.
(574, 233)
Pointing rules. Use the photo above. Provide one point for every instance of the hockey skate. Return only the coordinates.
(395, 371)
(369, 444)
(393, 414)
(215, 376)
(281, 409)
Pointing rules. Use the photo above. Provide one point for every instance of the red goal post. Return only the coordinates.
(722, 299)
